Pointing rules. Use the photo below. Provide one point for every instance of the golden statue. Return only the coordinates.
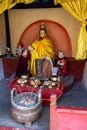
(42, 47)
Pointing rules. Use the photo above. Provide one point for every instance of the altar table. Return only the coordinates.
(46, 92)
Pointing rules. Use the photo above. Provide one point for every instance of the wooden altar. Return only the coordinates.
(46, 92)
(65, 85)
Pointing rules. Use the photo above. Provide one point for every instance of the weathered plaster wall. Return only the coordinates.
(20, 19)
(2, 34)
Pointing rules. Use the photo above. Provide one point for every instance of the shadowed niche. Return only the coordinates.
(55, 31)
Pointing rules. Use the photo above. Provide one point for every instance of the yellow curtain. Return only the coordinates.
(7, 4)
(78, 8)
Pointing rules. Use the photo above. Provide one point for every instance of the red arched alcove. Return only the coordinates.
(55, 31)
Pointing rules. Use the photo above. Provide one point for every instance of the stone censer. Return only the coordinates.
(26, 106)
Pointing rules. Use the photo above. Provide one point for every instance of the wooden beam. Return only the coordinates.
(7, 29)
(37, 5)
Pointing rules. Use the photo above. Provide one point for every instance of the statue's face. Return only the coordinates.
(25, 53)
(42, 33)
(60, 55)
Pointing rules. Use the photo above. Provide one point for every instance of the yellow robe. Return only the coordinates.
(43, 47)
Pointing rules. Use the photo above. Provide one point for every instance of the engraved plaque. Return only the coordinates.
(38, 65)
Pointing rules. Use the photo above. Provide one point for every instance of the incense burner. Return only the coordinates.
(26, 106)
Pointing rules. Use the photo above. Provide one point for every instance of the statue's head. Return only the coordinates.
(30, 48)
(42, 30)
(61, 54)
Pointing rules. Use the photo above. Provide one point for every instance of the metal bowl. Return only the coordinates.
(24, 76)
(54, 78)
(53, 83)
(22, 81)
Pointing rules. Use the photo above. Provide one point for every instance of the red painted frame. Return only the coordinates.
(67, 118)
(12, 128)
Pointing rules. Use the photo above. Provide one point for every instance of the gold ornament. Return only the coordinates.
(42, 26)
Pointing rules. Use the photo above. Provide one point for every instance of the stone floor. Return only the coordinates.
(75, 97)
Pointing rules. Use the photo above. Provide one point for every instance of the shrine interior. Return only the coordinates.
(20, 25)
(77, 96)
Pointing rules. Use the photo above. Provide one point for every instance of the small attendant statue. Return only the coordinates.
(23, 64)
(19, 51)
(8, 52)
(61, 64)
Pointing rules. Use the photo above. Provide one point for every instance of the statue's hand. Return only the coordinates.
(43, 57)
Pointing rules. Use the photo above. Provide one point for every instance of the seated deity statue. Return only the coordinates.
(42, 46)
